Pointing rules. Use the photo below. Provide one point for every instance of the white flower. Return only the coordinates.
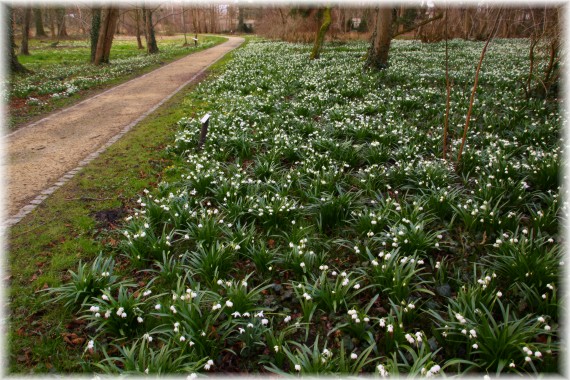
(541, 319)
(208, 365)
(538, 354)
(297, 367)
(182, 338)
(173, 309)
(157, 306)
(276, 348)
(229, 303)
(390, 328)
(236, 314)
(353, 356)
(287, 319)
(191, 376)
(512, 365)
(547, 328)
(104, 296)
(90, 345)
(147, 292)
(499, 294)
(435, 369)
(140, 320)
(264, 321)
(475, 346)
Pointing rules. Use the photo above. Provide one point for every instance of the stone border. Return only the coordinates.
(70, 174)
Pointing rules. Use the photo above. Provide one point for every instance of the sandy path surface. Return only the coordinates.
(41, 153)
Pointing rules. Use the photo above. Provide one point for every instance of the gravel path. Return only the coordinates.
(45, 154)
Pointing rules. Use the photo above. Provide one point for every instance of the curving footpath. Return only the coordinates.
(42, 156)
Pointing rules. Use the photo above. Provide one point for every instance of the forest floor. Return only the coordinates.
(40, 154)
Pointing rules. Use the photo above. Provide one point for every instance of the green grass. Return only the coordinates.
(64, 230)
(56, 65)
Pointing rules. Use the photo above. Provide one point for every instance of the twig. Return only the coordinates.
(415, 26)
(448, 89)
(475, 86)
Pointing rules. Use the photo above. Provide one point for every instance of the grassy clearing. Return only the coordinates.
(63, 76)
(74, 224)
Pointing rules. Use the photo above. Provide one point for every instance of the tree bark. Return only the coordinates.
(151, 46)
(40, 32)
(15, 65)
(380, 42)
(106, 33)
(24, 48)
(95, 26)
(321, 33)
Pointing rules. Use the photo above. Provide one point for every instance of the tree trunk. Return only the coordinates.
(106, 33)
(40, 32)
(24, 50)
(95, 26)
(240, 26)
(61, 28)
(151, 46)
(321, 33)
(138, 29)
(380, 42)
(15, 65)
(51, 17)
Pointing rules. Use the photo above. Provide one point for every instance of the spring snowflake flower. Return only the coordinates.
(90, 345)
(104, 297)
(287, 319)
(297, 367)
(147, 292)
(353, 356)
(191, 376)
(276, 348)
(390, 328)
(216, 306)
(157, 306)
(140, 320)
(208, 365)
(264, 321)
(229, 303)
(182, 338)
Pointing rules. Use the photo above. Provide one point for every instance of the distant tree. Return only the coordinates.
(151, 45)
(24, 46)
(107, 29)
(61, 26)
(15, 65)
(40, 32)
(138, 28)
(319, 38)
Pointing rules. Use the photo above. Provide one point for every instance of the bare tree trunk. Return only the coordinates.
(52, 16)
(319, 38)
(106, 33)
(24, 48)
(138, 28)
(95, 26)
(15, 65)
(380, 42)
(61, 27)
(40, 32)
(151, 46)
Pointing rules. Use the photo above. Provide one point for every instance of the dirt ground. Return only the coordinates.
(39, 154)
